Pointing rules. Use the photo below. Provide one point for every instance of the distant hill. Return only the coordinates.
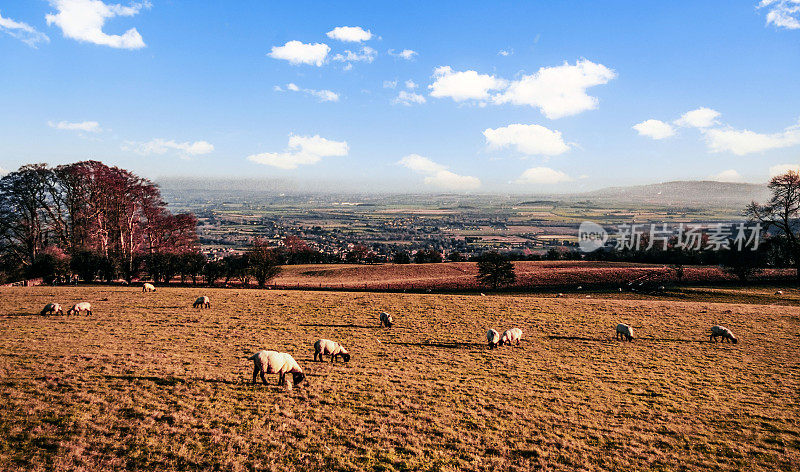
(703, 192)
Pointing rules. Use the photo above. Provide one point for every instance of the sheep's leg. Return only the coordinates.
(263, 378)
(333, 358)
(255, 373)
(282, 379)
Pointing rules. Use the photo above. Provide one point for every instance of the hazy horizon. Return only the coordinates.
(522, 98)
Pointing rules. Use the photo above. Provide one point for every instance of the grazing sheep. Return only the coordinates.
(513, 335)
(624, 332)
(148, 287)
(326, 347)
(272, 362)
(779, 292)
(559, 295)
(202, 302)
(386, 319)
(493, 337)
(52, 309)
(724, 332)
(79, 307)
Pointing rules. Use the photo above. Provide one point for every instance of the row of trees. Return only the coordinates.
(87, 214)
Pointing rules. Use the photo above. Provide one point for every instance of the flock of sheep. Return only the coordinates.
(281, 363)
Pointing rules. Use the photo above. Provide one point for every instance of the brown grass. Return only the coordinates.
(461, 275)
(150, 383)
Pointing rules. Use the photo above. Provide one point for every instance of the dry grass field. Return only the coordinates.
(147, 382)
(461, 275)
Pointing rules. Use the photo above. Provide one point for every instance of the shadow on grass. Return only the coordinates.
(449, 345)
(20, 315)
(673, 340)
(318, 325)
(578, 338)
(611, 339)
(156, 380)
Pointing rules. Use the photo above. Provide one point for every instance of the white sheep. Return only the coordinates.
(723, 332)
(493, 337)
(386, 319)
(326, 347)
(273, 362)
(202, 302)
(148, 287)
(52, 309)
(79, 307)
(513, 335)
(779, 292)
(624, 332)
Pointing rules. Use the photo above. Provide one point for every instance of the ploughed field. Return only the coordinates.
(147, 382)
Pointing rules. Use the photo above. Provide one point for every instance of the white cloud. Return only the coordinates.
(741, 142)
(700, 118)
(729, 175)
(302, 150)
(406, 54)
(87, 126)
(421, 164)
(409, 98)
(322, 95)
(783, 168)
(300, 53)
(354, 34)
(527, 139)
(390, 84)
(466, 85)
(367, 54)
(160, 146)
(452, 181)
(504, 53)
(83, 20)
(23, 31)
(655, 129)
(437, 175)
(558, 91)
(782, 13)
(3, 171)
(542, 175)
(411, 85)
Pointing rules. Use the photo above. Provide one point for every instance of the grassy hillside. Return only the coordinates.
(149, 383)
(461, 275)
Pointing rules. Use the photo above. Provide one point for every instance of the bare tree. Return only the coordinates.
(264, 261)
(781, 212)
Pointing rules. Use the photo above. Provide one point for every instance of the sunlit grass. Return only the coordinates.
(150, 383)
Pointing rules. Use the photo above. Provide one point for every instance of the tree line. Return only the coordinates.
(86, 218)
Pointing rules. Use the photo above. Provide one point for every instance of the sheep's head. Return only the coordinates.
(346, 357)
(734, 339)
(500, 343)
(298, 377)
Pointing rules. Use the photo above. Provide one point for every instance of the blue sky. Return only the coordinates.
(538, 96)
